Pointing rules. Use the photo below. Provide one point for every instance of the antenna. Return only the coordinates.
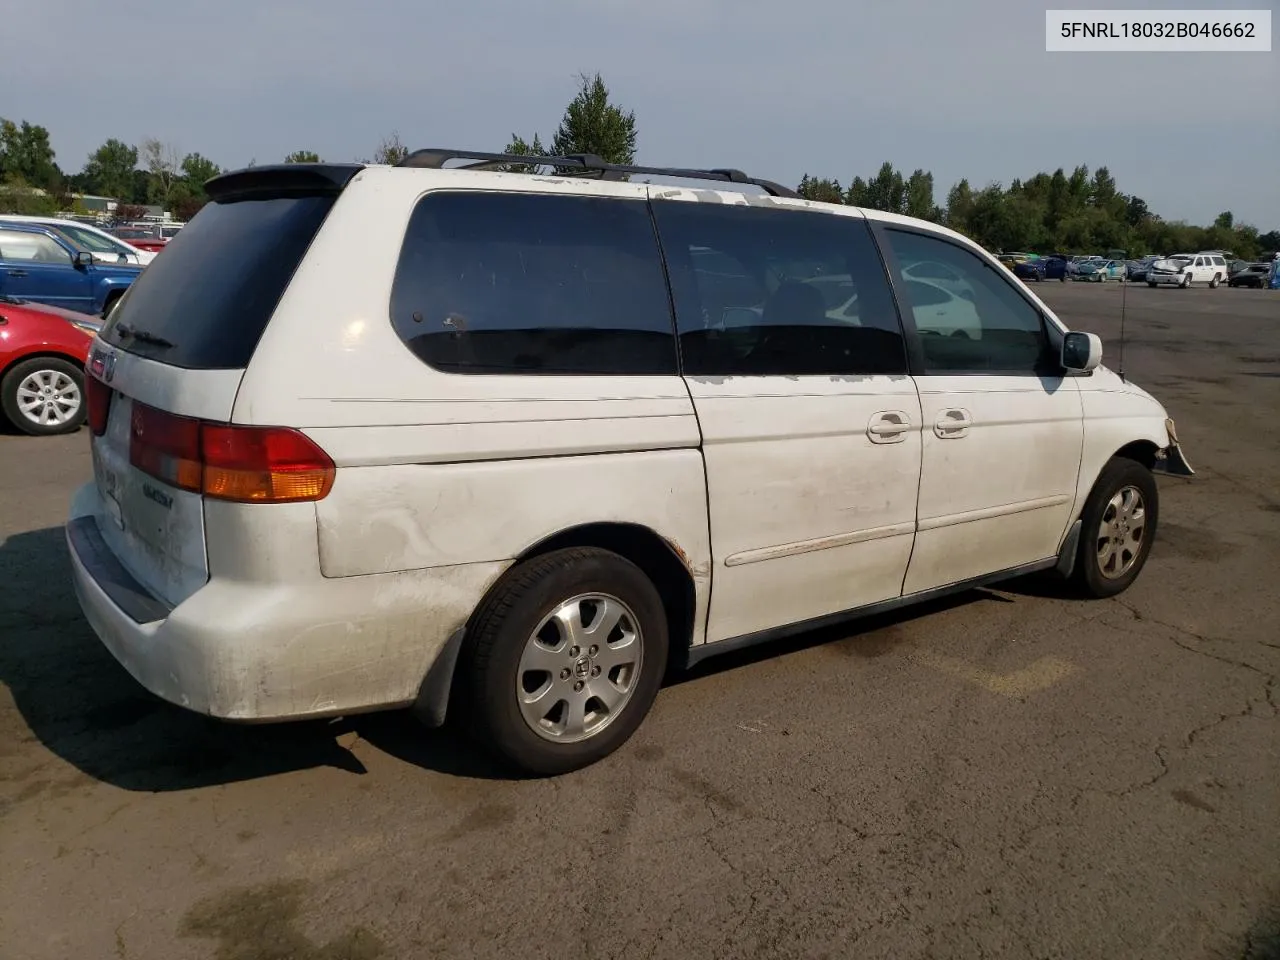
(1124, 289)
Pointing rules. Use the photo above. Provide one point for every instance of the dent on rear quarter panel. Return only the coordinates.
(410, 516)
(431, 516)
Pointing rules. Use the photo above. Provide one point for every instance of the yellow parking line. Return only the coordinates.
(1043, 673)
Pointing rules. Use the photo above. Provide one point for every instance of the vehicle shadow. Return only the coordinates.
(85, 708)
(81, 705)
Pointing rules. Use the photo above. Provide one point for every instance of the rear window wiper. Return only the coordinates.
(142, 336)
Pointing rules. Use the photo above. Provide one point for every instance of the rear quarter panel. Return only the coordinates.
(442, 469)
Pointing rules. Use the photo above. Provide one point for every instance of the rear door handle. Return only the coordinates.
(953, 424)
(889, 426)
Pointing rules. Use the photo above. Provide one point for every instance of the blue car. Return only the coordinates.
(41, 265)
(1043, 268)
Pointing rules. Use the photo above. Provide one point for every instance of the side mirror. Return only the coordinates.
(1081, 352)
(83, 258)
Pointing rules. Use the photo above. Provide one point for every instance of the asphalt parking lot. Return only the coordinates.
(1006, 774)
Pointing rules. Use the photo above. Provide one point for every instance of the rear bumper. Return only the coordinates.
(276, 651)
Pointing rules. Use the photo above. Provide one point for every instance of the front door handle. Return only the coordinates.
(953, 424)
(17, 273)
(889, 426)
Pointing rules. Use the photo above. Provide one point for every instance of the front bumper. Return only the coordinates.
(1171, 460)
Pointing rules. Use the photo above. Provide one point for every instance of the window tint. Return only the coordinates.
(763, 291)
(995, 329)
(213, 292)
(533, 284)
(32, 247)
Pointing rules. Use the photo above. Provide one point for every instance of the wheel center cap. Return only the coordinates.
(582, 668)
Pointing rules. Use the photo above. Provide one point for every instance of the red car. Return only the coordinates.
(144, 239)
(42, 355)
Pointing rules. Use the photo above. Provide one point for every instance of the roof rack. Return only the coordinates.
(436, 158)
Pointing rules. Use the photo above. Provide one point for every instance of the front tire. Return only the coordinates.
(1118, 525)
(563, 660)
(44, 396)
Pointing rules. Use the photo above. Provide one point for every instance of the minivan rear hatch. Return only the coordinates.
(164, 372)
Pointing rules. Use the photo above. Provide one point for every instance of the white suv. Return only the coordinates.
(1184, 269)
(379, 437)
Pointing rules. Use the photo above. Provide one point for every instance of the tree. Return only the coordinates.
(130, 211)
(197, 171)
(919, 199)
(887, 190)
(161, 161)
(1269, 241)
(109, 171)
(18, 196)
(593, 125)
(390, 151)
(1225, 220)
(1137, 212)
(959, 210)
(823, 191)
(519, 148)
(25, 153)
(857, 195)
(302, 156)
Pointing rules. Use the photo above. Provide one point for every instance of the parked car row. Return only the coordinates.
(1211, 267)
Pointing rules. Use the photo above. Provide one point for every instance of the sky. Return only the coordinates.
(963, 88)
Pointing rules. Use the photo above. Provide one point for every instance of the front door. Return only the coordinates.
(33, 266)
(796, 363)
(1003, 427)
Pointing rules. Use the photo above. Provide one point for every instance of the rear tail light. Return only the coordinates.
(228, 462)
(97, 397)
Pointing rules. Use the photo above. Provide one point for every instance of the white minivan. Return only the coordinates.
(532, 439)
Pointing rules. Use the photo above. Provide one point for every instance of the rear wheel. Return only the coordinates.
(1117, 527)
(1217, 279)
(44, 396)
(564, 660)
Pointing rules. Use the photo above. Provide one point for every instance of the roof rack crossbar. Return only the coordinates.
(436, 158)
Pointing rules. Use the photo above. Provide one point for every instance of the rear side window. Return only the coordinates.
(206, 301)
(492, 283)
(765, 291)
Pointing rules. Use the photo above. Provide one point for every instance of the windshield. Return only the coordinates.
(94, 242)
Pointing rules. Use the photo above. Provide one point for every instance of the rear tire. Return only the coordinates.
(536, 650)
(1118, 525)
(1217, 279)
(44, 396)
